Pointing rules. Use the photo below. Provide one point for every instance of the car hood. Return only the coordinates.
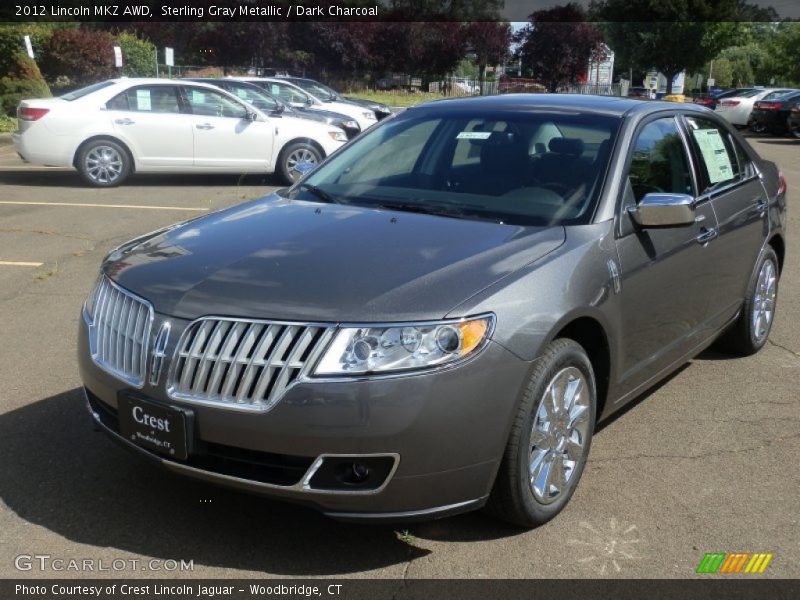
(283, 259)
(322, 115)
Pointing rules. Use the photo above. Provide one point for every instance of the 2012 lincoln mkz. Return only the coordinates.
(436, 318)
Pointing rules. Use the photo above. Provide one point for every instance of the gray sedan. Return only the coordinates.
(435, 319)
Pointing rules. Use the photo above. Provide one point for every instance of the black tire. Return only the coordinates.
(95, 172)
(743, 338)
(290, 157)
(757, 127)
(513, 498)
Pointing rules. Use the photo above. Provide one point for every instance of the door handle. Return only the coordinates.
(125, 121)
(706, 235)
(205, 126)
(761, 207)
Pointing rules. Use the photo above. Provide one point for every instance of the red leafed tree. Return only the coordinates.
(557, 45)
(82, 56)
(489, 41)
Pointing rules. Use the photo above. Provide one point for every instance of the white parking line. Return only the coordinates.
(82, 205)
(12, 263)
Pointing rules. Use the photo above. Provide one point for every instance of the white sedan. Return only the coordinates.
(736, 109)
(114, 128)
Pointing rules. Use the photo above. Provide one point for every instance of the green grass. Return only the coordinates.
(7, 124)
(398, 98)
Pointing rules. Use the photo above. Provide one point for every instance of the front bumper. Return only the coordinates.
(446, 431)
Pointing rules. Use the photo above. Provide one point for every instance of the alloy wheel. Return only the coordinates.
(299, 162)
(559, 434)
(103, 164)
(764, 300)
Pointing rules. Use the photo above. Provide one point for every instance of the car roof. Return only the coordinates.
(584, 103)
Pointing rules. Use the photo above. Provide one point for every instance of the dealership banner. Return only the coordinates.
(316, 10)
(438, 589)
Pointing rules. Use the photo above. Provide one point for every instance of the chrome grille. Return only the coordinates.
(120, 331)
(241, 363)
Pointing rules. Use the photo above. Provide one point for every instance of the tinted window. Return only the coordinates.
(155, 99)
(659, 163)
(211, 103)
(254, 96)
(514, 167)
(85, 91)
(714, 146)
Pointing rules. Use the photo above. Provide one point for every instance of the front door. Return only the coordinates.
(224, 137)
(664, 272)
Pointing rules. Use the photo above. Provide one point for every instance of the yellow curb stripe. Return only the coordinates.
(14, 263)
(82, 205)
(754, 560)
(764, 564)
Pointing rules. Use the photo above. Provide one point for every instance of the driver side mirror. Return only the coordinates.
(252, 116)
(664, 210)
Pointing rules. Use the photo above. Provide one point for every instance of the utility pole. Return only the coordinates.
(155, 49)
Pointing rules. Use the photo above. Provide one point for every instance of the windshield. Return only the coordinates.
(254, 96)
(317, 89)
(520, 168)
(86, 91)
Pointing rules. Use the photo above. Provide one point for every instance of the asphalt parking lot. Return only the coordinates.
(706, 462)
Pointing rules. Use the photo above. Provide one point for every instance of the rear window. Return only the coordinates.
(86, 91)
(510, 167)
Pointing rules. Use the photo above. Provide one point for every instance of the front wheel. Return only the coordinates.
(296, 160)
(103, 163)
(550, 438)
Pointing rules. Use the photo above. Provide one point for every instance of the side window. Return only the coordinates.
(287, 94)
(211, 103)
(659, 163)
(154, 99)
(258, 100)
(715, 148)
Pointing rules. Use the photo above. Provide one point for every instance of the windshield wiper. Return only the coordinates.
(321, 194)
(428, 209)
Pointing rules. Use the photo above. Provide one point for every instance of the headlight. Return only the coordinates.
(338, 136)
(403, 347)
(369, 115)
(350, 124)
(91, 301)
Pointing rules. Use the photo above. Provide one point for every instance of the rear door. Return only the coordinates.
(224, 137)
(664, 272)
(149, 119)
(729, 181)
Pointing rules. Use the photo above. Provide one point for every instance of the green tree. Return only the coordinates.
(23, 81)
(668, 35)
(138, 57)
(489, 42)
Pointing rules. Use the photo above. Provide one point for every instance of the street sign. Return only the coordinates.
(117, 57)
(710, 82)
(169, 57)
(28, 46)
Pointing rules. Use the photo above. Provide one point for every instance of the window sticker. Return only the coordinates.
(143, 100)
(242, 94)
(275, 89)
(198, 97)
(715, 154)
(474, 135)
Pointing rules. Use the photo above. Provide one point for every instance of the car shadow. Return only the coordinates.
(64, 178)
(781, 142)
(59, 474)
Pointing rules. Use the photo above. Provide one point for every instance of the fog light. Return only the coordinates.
(352, 473)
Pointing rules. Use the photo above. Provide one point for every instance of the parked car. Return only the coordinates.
(275, 107)
(639, 93)
(301, 99)
(111, 129)
(772, 113)
(794, 120)
(436, 318)
(706, 100)
(327, 93)
(737, 110)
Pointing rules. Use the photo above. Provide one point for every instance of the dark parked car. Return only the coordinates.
(772, 113)
(794, 121)
(325, 92)
(639, 93)
(436, 317)
(263, 100)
